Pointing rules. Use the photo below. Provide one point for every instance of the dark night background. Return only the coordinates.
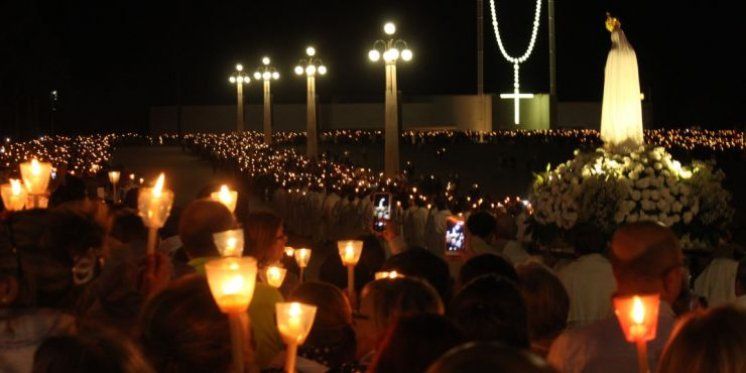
(112, 60)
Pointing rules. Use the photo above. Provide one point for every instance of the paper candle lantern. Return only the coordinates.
(302, 257)
(226, 196)
(294, 321)
(232, 282)
(36, 176)
(114, 177)
(289, 251)
(388, 275)
(229, 243)
(274, 275)
(154, 204)
(14, 195)
(638, 316)
(349, 251)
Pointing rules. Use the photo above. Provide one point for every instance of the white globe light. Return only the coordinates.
(374, 55)
(239, 80)
(265, 60)
(389, 28)
(311, 51)
(267, 75)
(239, 67)
(406, 55)
(393, 54)
(310, 70)
(322, 70)
(299, 70)
(275, 75)
(246, 80)
(257, 75)
(387, 56)
(232, 79)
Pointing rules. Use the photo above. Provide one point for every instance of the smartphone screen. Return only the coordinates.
(381, 210)
(454, 236)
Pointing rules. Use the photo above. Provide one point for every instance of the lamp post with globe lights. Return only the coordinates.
(239, 78)
(267, 73)
(391, 49)
(311, 66)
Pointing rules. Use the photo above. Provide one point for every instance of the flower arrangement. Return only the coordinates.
(606, 189)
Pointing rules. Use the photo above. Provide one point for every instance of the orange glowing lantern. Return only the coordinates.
(349, 251)
(154, 205)
(226, 196)
(302, 257)
(14, 195)
(229, 243)
(294, 321)
(274, 275)
(232, 282)
(289, 251)
(638, 316)
(388, 275)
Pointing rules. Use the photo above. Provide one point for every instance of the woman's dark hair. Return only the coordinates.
(486, 264)
(419, 262)
(490, 308)
(489, 357)
(393, 298)
(127, 226)
(414, 342)
(90, 351)
(260, 233)
(331, 341)
(546, 300)
(481, 224)
(182, 329)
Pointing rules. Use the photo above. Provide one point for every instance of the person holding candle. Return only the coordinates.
(646, 259)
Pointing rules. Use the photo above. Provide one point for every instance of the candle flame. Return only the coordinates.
(158, 188)
(233, 285)
(35, 167)
(638, 310)
(294, 311)
(15, 187)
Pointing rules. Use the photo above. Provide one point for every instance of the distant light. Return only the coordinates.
(239, 67)
(239, 80)
(275, 75)
(311, 51)
(407, 55)
(322, 70)
(299, 70)
(310, 69)
(265, 60)
(232, 79)
(374, 55)
(389, 28)
(257, 75)
(267, 75)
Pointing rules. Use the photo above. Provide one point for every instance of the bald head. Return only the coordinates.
(199, 221)
(643, 256)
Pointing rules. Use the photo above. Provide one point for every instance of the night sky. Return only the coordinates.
(112, 60)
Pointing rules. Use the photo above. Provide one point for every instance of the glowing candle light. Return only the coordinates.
(154, 206)
(232, 282)
(294, 321)
(226, 196)
(274, 275)
(302, 257)
(229, 243)
(638, 318)
(349, 252)
(289, 251)
(36, 177)
(387, 275)
(14, 195)
(114, 179)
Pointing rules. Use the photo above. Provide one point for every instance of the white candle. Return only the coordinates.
(226, 196)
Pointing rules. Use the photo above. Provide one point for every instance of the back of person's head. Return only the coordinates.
(588, 239)
(419, 262)
(332, 339)
(709, 341)
(90, 351)
(73, 189)
(384, 300)
(646, 258)
(371, 259)
(741, 277)
(490, 308)
(488, 357)
(546, 301)
(506, 227)
(182, 329)
(486, 264)
(199, 221)
(261, 231)
(481, 224)
(414, 342)
(73, 229)
(127, 226)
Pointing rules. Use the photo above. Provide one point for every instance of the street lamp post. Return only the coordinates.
(310, 66)
(239, 78)
(391, 49)
(267, 73)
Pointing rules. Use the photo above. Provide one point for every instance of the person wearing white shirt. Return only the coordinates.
(589, 280)
(647, 259)
(506, 243)
(717, 282)
(435, 230)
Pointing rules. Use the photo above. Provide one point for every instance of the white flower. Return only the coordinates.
(688, 216)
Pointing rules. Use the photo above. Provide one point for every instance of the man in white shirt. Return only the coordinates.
(589, 280)
(506, 231)
(740, 284)
(646, 259)
(717, 282)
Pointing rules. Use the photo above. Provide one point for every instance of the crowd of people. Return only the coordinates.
(79, 293)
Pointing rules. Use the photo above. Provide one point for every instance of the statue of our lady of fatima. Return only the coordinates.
(621, 115)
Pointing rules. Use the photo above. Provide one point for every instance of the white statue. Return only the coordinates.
(621, 115)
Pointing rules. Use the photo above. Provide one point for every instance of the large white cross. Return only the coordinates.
(516, 95)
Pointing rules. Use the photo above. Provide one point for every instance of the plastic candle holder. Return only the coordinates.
(274, 275)
(638, 316)
(388, 275)
(14, 195)
(232, 282)
(294, 321)
(289, 251)
(349, 251)
(154, 204)
(229, 243)
(226, 196)
(302, 257)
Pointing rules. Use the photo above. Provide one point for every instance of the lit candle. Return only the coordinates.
(14, 195)
(638, 318)
(294, 321)
(36, 177)
(114, 179)
(226, 196)
(289, 251)
(274, 275)
(388, 275)
(302, 257)
(154, 205)
(229, 243)
(349, 252)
